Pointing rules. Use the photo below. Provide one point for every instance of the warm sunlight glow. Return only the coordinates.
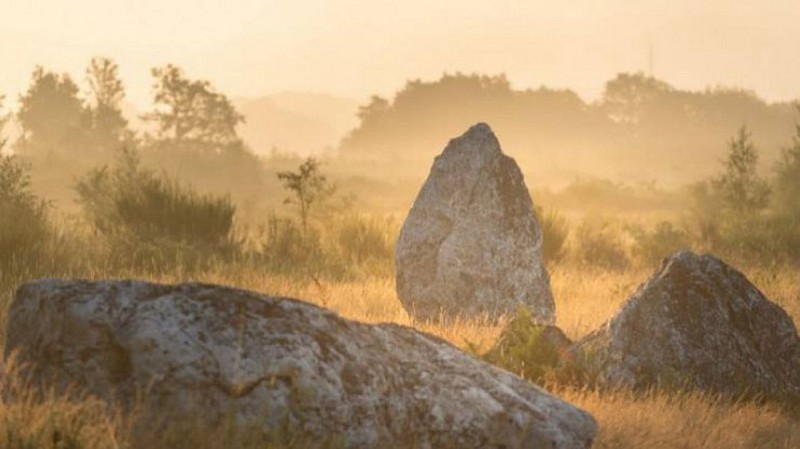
(346, 224)
(357, 48)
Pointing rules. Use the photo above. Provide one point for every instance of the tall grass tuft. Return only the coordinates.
(599, 242)
(555, 231)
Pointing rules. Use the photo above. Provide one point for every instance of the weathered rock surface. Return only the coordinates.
(471, 244)
(206, 350)
(698, 322)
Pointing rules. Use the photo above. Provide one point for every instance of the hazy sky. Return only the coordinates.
(355, 48)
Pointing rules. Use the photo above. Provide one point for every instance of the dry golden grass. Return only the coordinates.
(31, 419)
(585, 299)
(670, 420)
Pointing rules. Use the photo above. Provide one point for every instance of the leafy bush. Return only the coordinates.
(153, 217)
(599, 243)
(528, 349)
(542, 354)
(649, 247)
(23, 216)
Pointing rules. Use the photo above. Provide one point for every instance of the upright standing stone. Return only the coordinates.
(471, 244)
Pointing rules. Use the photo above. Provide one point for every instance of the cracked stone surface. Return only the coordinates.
(472, 245)
(698, 322)
(204, 350)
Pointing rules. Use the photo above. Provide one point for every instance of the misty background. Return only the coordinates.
(354, 49)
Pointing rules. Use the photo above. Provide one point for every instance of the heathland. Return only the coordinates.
(619, 184)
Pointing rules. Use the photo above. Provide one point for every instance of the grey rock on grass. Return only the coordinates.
(699, 323)
(204, 351)
(471, 244)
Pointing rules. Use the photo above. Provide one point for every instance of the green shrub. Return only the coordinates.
(24, 226)
(542, 354)
(599, 243)
(650, 247)
(528, 349)
(152, 218)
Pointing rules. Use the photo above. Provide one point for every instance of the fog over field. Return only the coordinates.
(508, 224)
(356, 49)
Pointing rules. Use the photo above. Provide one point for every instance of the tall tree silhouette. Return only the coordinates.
(53, 118)
(192, 114)
(109, 127)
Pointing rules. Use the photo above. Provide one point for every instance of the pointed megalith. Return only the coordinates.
(472, 244)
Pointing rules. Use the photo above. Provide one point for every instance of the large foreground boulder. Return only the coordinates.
(204, 351)
(472, 244)
(699, 323)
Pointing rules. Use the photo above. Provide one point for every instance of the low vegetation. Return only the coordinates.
(136, 221)
(344, 261)
(144, 218)
(584, 300)
(24, 225)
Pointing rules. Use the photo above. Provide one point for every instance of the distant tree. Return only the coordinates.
(307, 187)
(109, 127)
(729, 209)
(191, 114)
(377, 106)
(742, 191)
(627, 96)
(52, 116)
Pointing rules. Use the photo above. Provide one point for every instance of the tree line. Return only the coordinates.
(189, 132)
(641, 128)
(57, 121)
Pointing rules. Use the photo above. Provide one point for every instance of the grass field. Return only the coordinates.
(585, 298)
